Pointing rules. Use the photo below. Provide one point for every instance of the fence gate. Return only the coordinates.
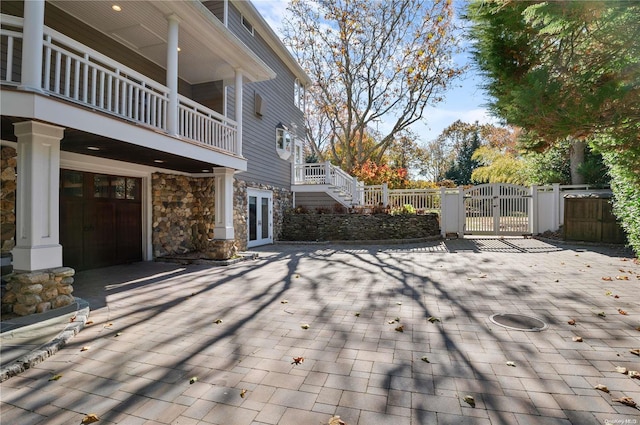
(497, 209)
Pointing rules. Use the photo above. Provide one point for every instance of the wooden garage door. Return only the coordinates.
(100, 219)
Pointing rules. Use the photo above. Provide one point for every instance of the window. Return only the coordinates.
(283, 141)
(247, 25)
(298, 94)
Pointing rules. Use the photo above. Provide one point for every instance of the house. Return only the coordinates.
(133, 130)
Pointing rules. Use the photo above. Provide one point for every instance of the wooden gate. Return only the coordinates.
(497, 209)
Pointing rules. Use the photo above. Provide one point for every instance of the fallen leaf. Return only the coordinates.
(118, 334)
(607, 278)
(85, 348)
(638, 328)
(470, 400)
(357, 314)
(635, 351)
(243, 393)
(577, 339)
(400, 328)
(625, 400)
(433, 319)
(284, 301)
(616, 296)
(622, 370)
(634, 374)
(193, 379)
(482, 276)
(602, 314)
(398, 319)
(572, 322)
(335, 420)
(305, 326)
(557, 280)
(391, 322)
(55, 377)
(398, 303)
(608, 293)
(621, 311)
(89, 322)
(602, 388)
(218, 321)
(108, 325)
(622, 277)
(72, 319)
(512, 364)
(425, 359)
(297, 276)
(90, 418)
(297, 360)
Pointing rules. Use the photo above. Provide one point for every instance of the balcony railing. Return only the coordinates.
(79, 74)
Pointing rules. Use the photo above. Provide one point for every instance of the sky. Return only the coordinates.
(465, 101)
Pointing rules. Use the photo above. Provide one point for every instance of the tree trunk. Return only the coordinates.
(576, 159)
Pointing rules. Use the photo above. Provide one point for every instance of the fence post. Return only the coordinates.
(327, 173)
(443, 211)
(355, 196)
(462, 213)
(533, 211)
(557, 220)
(385, 194)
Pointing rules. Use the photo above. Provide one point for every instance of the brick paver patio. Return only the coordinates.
(154, 329)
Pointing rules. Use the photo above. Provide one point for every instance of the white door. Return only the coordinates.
(260, 217)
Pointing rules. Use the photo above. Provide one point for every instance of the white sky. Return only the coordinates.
(465, 102)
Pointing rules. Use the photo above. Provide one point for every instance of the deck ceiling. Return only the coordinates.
(208, 50)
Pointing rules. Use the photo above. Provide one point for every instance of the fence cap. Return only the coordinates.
(590, 195)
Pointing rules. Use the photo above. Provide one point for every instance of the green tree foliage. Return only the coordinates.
(370, 61)
(568, 69)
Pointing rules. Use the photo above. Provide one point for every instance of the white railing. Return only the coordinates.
(310, 174)
(79, 74)
(343, 181)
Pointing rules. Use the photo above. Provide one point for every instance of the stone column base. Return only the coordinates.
(222, 249)
(37, 292)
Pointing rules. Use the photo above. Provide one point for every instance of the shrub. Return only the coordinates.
(406, 209)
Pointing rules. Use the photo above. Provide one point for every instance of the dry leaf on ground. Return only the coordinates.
(607, 278)
(512, 364)
(621, 311)
(577, 339)
(634, 374)
(243, 393)
(89, 322)
(602, 314)
(470, 400)
(635, 351)
(193, 380)
(357, 314)
(425, 359)
(218, 321)
(602, 388)
(284, 301)
(622, 370)
(297, 360)
(622, 277)
(335, 420)
(305, 326)
(400, 328)
(625, 400)
(572, 322)
(433, 319)
(90, 418)
(85, 348)
(55, 377)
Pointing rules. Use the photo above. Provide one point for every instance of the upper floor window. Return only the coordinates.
(298, 94)
(247, 25)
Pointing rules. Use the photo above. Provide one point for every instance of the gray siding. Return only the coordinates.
(313, 200)
(259, 139)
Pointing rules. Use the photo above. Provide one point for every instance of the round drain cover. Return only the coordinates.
(518, 322)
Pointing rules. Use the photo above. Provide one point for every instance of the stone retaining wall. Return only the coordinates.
(349, 227)
(37, 292)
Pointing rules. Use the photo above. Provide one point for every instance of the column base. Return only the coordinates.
(37, 257)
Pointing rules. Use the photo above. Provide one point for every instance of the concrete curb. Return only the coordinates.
(50, 348)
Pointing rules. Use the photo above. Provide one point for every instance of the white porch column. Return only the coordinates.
(238, 112)
(32, 45)
(223, 228)
(172, 74)
(37, 205)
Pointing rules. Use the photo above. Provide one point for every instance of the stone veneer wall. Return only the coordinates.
(183, 213)
(8, 164)
(349, 227)
(39, 291)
